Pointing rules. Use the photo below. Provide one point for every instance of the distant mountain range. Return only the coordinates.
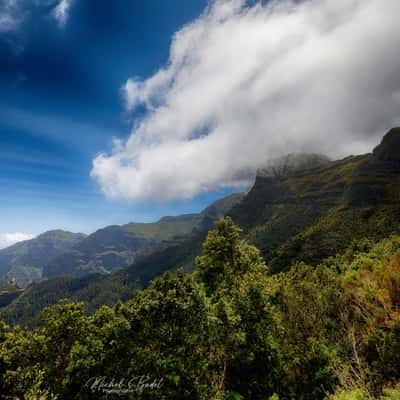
(56, 253)
(25, 260)
(309, 211)
(115, 247)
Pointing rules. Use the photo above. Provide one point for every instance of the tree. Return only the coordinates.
(226, 257)
(308, 299)
(371, 319)
(235, 278)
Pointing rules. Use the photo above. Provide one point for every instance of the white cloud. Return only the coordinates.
(14, 12)
(244, 84)
(61, 11)
(8, 239)
(10, 15)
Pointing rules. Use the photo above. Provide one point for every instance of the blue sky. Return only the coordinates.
(61, 105)
(119, 111)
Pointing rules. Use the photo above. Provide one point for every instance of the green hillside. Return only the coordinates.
(98, 288)
(24, 261)
(116, 247)
(230, 330)
(167, 228)
(308, 211)
(315, 213)
(319, 320)
(304, 214)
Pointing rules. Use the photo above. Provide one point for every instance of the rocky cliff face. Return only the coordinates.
(312, 213)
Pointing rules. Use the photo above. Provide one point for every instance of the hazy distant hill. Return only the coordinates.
(25, 260)
(117, 246)
(98, 288)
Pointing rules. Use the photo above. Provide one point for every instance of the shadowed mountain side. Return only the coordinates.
(303, 215)
(99, 289)
(24, 261)
(115, 247)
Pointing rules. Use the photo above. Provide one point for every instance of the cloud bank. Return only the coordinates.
(246, 83)
(8, 239)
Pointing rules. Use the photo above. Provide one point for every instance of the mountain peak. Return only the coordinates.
(282, 166)
(60, 235)
(389, 148)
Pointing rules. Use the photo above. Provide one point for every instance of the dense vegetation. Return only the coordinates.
(305, 209)
(229, 330)
(314, 314)
(97, 289)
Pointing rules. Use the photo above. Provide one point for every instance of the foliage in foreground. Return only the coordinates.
(227, 331)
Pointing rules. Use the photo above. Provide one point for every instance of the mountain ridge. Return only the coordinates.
(305, 215)
(24, 260)
(117, 246)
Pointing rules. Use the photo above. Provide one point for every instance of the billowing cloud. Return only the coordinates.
(8, 239)
(248, 83)
(61, 11)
